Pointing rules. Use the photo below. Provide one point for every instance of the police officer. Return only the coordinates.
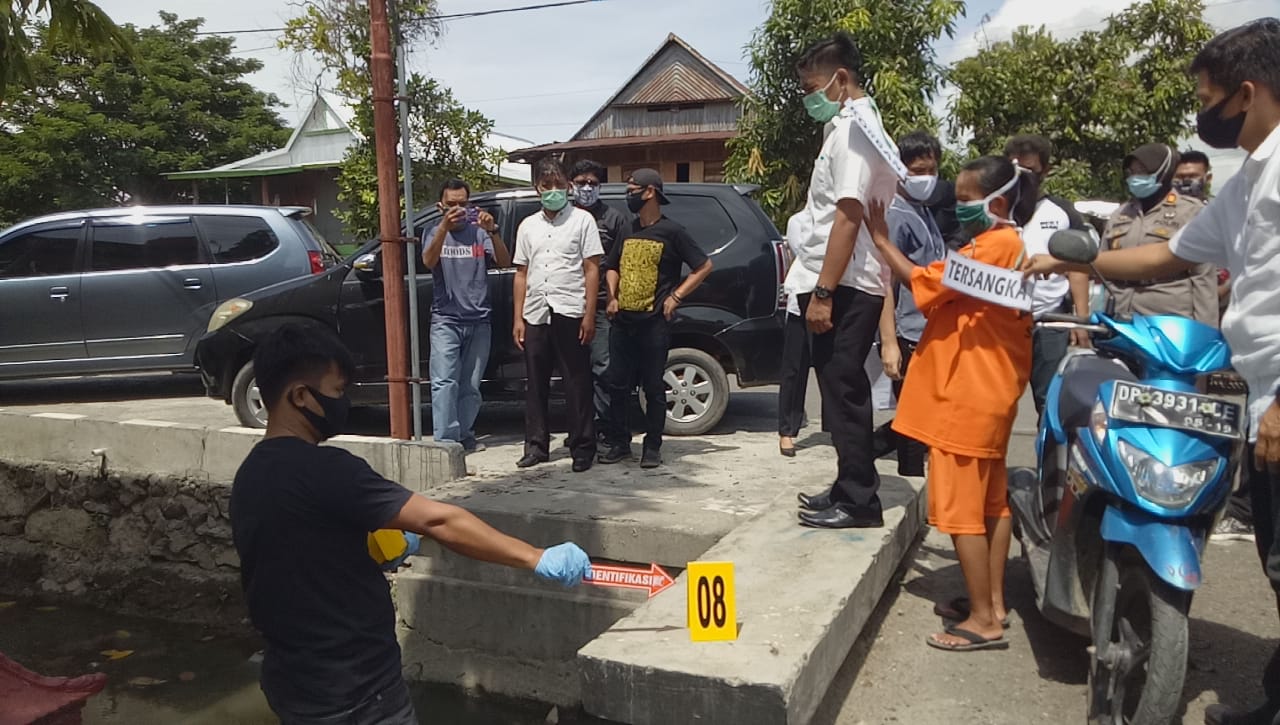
(1154, 213)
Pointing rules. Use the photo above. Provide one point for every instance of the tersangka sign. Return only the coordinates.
(992, 284)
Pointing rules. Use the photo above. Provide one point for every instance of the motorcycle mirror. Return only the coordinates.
(1073, 245)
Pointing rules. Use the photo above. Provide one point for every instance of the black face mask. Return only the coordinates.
(1219, 132)
(335, 415)
(1190, 187)
(636, 202)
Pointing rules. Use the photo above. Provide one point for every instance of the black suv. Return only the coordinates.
(731, 324)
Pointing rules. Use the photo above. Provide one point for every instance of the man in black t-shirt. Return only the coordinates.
(300, 518)
(587, 177)
(645, 288)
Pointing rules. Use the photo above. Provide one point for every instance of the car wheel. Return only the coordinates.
(697, 390)
(247, 400)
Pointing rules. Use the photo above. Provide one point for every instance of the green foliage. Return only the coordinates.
(79, 25)
(89, 133)
(1097, 96)
(778, 142)
(447, 139)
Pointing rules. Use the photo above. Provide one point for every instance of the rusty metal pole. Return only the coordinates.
(385, 140)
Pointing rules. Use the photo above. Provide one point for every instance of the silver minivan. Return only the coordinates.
(132, 289)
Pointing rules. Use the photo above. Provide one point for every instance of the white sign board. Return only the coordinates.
(987, 282)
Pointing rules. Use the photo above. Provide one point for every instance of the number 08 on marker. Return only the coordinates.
(713, 616)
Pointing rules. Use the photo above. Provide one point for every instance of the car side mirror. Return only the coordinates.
(368, 266)
(1073, 245)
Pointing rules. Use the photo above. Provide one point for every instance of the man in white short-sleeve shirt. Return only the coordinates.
(555, 292)
(1239, 90)
(839, 277)
(1058, 293)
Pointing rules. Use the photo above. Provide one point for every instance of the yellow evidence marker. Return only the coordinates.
(387, 545)
(713, 614)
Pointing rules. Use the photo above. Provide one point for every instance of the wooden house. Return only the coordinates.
(674, 115)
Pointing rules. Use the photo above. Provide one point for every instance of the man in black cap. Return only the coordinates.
(645, 289)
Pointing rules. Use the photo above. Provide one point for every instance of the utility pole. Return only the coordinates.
(406, 169)
(393, 247)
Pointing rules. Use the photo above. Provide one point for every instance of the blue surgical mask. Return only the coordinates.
(555, 199)
(1145, 186)
(821, 108)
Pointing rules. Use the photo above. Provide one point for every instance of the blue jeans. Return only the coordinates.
(459, 354)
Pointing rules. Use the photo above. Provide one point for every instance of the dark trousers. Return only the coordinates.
(600, 370)
(840, 356)
(1048, 347)
(392, 706)
(911, 452)
(1264, 488)
(795, 376)
(638, 350)
(556, 345)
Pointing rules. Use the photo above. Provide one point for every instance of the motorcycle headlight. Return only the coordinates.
(228, 311)
(1171, 486)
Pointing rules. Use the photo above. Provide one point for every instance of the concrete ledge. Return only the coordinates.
(145, 446)
(803, 597)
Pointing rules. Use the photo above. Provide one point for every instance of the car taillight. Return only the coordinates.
(317, 262)
(783, 255)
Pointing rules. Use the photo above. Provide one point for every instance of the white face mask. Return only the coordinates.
(586, 195)
(920, 188)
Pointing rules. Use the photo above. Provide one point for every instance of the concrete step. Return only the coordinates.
(518, 638)
(803, 597)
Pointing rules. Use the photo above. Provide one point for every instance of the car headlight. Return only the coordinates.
(1171, 486)
(228, 311)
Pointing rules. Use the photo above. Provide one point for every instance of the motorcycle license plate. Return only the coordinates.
(1169, 409)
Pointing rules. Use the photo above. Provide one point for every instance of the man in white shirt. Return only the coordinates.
(557, 281)
(1239, 89)
(839, 277)
(1058, 293)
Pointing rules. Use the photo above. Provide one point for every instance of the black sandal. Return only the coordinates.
(976, 641)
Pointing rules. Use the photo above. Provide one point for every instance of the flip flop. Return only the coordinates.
(976, 641)
(957, 610)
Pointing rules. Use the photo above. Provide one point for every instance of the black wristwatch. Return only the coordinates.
(821, 292)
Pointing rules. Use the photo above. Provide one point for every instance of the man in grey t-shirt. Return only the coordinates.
(459, 251)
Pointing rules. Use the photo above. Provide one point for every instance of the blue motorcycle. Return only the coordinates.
(1135, 466)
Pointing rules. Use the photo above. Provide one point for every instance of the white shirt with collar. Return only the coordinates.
(1047, 295)
(553, 251)
(1240, 230)
(849, 167)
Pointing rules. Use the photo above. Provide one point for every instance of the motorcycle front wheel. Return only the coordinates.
(1139, 660)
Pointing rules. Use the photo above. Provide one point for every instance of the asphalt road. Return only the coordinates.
(891, 676)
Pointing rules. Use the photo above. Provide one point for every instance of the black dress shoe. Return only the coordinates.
(582, 464)
(816, 502)
(838, 517)
(531, 459)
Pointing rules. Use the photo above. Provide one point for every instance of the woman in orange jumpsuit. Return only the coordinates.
(961, 397)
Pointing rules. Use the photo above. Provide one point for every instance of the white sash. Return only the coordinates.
(867, 116)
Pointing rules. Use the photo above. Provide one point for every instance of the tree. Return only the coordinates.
(78, 24)
(447, 139)
(778, 142)
(1097, 96)
(92, 133)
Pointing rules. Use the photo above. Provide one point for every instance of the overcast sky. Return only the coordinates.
(540, 74)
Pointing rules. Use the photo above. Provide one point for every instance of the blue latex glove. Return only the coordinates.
(566, 563)
(412, 543)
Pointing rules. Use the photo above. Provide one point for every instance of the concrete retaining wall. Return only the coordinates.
(133, 517)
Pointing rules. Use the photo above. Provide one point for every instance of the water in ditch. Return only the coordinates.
(160, 673)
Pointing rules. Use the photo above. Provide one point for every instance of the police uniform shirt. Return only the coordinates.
(1192, 294)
